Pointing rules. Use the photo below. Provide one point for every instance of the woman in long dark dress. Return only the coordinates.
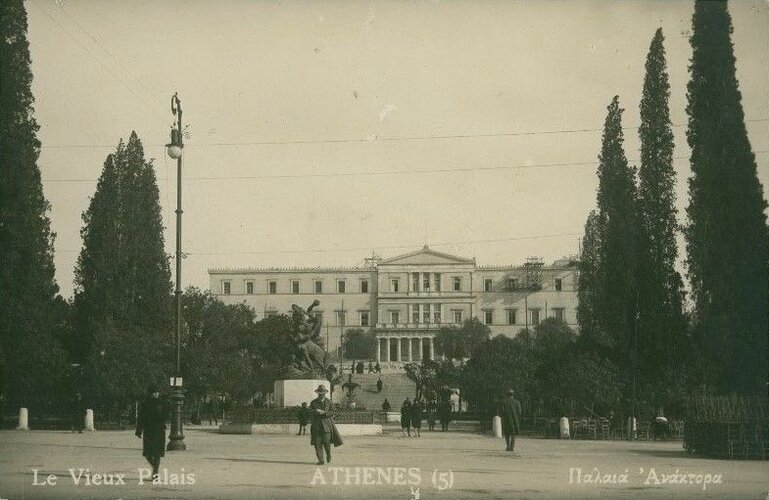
(151, 427)
(416, 417)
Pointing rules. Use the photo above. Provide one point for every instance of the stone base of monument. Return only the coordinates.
(291, 429)
(290, 393)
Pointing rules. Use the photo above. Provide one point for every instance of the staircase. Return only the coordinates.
(395, 387)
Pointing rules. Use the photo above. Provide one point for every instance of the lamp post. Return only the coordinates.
(174, 149)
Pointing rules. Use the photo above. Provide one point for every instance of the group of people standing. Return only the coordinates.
(412, 414)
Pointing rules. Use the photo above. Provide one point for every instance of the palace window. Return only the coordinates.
(436, 313)
(226, 287)
(426, 282)
(318, 286)
(437, 278)
(341, 318)
(394, 284)
(534, 316)
(487, 283)
(414, 282)
(512, 283)
(272, 286)
(511, 317)
(340, 286)
(558, 313)
(488, 316)
(456, 283)
(415, 314)
(425, 313)
(558, 284)
(457, 316)
(363, 286)
(394, 317)
(295, 287)
(250, 287)
(363, 318)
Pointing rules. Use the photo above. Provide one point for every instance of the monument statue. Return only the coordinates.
(308, 358)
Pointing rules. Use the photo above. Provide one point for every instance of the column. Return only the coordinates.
(398, 349)
(432, 352)
(411, 354)
(387, 345)
(378, 350)
(421, 348)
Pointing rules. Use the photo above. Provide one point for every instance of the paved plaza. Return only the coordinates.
(441, 465)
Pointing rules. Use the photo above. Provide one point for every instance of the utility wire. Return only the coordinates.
(390, 172)
(368, 248)
(367, 140)
(154, 109)
(111, 55)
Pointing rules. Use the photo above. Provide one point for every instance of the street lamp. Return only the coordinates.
(174, 149)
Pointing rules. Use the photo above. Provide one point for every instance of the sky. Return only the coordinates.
(320, 132)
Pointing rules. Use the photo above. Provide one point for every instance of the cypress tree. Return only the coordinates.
(617, 218)
(122, 276)
(661, 323)
(727, 239)
(588, 293)
(29, 307)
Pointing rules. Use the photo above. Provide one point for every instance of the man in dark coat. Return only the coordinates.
(432, 410)
(444, 414)
(416, 417)
(322, 429)
(510, 413)
(406, 417)
(151, 427)
(386, 405)
(379, 385)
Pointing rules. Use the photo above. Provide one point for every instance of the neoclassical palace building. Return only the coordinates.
(406, 299)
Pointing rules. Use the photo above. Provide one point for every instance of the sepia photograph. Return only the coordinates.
(408, 249)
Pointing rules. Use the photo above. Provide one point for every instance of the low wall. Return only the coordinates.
(288, 429)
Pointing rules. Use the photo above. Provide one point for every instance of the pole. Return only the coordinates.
(635, 367)
(176, 437)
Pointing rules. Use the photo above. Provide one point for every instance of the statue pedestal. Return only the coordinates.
(295, 392)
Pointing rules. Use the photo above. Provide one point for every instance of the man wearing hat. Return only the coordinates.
(510, 413)
(321, 428)
(151, 427)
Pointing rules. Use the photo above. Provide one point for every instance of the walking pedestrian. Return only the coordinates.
(416, 417)
(510, 413)
(432, 409)
(406, 417)
(378, 367)
(304, 419)
(151, 427)
(444, 414)
(323, 432)
(379, 385)
(386, 405)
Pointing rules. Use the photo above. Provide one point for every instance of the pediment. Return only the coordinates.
(426, 256)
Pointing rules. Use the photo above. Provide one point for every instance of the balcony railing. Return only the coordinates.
(416, 326)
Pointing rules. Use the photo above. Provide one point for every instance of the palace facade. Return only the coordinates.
(406, 299)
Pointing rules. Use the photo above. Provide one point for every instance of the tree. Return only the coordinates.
(727, 239)
(617, 217)
(30, 312)
(122, 277)
(460, 343)
(359, 344)
(661, 324)
(590, 279)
